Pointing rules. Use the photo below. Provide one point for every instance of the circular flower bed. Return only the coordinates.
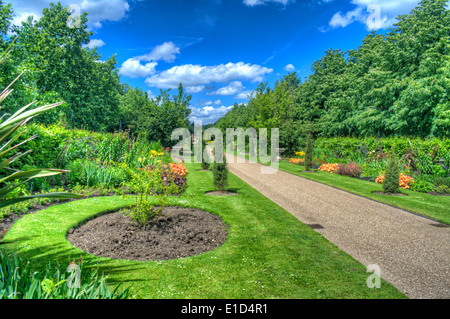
(178, 232)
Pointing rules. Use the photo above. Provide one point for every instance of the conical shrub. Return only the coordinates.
(392, 174)
(309, 152)
(220, 175)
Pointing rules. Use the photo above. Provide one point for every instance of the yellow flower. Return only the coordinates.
(140, 160)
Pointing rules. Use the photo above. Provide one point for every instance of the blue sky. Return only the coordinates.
(222, 49)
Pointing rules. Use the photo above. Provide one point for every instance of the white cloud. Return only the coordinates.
(195, 89)
(209, 103)
(208, 114)
(231, 89)
(95, 43)
(289, 68)
(151, 95)
(375, 14)
(98, 11)
(339, 20)
(253, 3)
(197, 75)
(23, 16)
(245, 95)
(166, 51)
(134, 69)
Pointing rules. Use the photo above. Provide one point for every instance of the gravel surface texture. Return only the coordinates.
(412, 252)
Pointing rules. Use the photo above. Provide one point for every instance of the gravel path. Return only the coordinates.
(413, 252)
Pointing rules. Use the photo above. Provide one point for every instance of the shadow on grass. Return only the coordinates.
(60, 256)
(18, 240)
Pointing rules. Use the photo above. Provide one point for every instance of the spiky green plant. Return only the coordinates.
(8, 136)
(19, 281)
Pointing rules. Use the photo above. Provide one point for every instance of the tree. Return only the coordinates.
(6, 16)
(8, 130)
(154, 119)
(61, 62)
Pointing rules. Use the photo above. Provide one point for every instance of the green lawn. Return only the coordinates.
(268, 254)
(432, 206)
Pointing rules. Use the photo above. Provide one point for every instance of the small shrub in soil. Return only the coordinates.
(391, 180)
(220, 175)
(350, 169)
(145, 182)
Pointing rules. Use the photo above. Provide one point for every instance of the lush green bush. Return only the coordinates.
(354, 148)
(422, 186)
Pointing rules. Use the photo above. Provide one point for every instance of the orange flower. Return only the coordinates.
(296, 160)
(178, 169)
(329, 168)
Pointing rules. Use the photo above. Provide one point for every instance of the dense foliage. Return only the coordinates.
(394, 84)
(19, 281)
(98, 162)
(60, 66)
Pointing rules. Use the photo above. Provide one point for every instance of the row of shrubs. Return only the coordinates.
(424, 165)
(102, 161)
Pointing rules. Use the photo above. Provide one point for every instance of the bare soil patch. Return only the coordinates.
(178, 232)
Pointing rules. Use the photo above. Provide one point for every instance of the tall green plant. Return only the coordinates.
(220, 175)
(309, 152)
(8, 135)
(391, 179)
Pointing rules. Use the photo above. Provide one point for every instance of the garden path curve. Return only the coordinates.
(412, 253)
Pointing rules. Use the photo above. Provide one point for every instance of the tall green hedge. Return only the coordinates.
(345, 147)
